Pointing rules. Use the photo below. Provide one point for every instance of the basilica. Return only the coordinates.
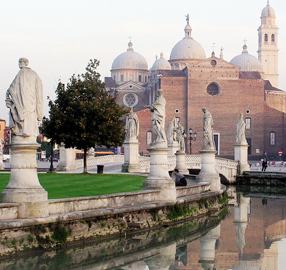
(191, 80)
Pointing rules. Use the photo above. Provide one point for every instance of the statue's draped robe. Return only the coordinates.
(208, 132)
(26, 110)
(240, 132)
(132, 126)
(158, 119)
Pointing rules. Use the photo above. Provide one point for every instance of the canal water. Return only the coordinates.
(249, 235)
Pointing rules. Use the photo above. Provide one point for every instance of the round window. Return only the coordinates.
(213, 89)
(130, 100)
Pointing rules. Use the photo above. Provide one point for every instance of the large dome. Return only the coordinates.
(246, 61)
(187, 48)
(161, 64)
(129, 60)
(268, 11)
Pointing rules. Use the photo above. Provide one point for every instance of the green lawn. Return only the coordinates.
(77, 185)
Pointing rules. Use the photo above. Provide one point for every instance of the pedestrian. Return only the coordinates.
(264, 164)
(179, 178)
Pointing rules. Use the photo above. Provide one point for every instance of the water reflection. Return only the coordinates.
(246, 239)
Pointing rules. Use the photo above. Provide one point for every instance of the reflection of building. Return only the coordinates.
(266, 224)
(192, 80)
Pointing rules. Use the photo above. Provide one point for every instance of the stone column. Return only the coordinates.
(241, 155)
(131, 156)
(208, 171)
(67, 159)
(158, 177)
(207, 248)
(181, 162)
(24, 186)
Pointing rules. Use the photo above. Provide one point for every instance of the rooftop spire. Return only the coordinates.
(130, 45)
(268, 3)
(221, 53)
(188, 28)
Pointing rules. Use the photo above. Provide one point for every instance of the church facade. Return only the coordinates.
(191, 81)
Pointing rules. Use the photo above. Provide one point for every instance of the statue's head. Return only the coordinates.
(204, 110)
(241, 115)
(159, 92)
(23, 62)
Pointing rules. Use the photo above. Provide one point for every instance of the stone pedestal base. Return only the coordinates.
(173, 148)
(24, 186)
(241, 155)
(181, 162)
(159, 176)
(131, 157)
(67, 159)
(208, 171)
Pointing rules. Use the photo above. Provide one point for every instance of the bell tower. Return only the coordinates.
(268, 45)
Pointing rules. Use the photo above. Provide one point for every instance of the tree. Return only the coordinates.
(84, 114)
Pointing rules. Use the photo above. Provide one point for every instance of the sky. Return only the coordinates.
(60, 36)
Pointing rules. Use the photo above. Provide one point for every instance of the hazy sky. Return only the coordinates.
(59, 37)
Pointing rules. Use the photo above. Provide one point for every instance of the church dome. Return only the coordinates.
(246, 61)
(130, 60)
(161, 64)
(268, 11)
(187, 48)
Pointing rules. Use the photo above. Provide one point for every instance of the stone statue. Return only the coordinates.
(131, 126)
(24, 98)
(180, 137)
(171, 133)
(240, 131)
(158, 119)
(208, 140)
(1, 148)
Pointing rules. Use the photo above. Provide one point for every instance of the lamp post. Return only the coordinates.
(192, 137)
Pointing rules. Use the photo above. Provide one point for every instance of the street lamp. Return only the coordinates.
(192, 137)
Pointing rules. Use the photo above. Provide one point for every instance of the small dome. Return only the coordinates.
(246, 61)
(187, 48)
(129, 60)
(268, 11)
(161, 64)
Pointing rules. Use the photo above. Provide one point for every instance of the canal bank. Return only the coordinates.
(76, 219)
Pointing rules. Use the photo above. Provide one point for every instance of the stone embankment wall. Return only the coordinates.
(102, 216)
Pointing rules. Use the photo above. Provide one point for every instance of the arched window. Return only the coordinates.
(272, 138)
(140, 78)
(121, 77)
(273, 38)
(265, 37)
(213, 89)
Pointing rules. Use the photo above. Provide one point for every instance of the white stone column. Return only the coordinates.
(207, 248)
(131, 156)
(208, 171)
(241, 155)
(159, 175)
(24, 186)
(67, 159)
(181, 162)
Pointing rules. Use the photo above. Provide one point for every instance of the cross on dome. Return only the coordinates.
(188, 28)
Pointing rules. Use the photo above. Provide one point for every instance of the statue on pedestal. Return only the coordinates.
(171, 132)
(131, 126)
(158, 119)
(180, 137)
(1, 148)
(208, 139)
(240, 131)
(24, 98)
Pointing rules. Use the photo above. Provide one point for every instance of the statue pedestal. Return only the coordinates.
(1, 162)
(159, 175)
(24, 186)
(67, 159)
(241, 155)
(181, 162)
(173, 148)
(131, 157)
(208, 171)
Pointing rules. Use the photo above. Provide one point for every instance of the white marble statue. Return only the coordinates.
(208, 140)
(158, 119)
(240, 131)
(171, 134)
(180, 137)
(24, 98)
(1, 148)
(131, 126)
